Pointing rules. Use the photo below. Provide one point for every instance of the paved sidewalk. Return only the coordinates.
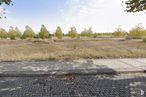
(108, 78)
(99, 66)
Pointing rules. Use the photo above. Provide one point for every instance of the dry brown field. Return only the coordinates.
(67, 49)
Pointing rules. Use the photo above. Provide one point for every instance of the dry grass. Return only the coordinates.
(70, 49)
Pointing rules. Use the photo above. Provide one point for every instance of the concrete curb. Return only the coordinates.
(67, 72)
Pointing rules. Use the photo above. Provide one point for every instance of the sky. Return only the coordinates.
(101, 15)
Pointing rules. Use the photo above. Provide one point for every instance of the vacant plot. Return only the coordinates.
(18, 50)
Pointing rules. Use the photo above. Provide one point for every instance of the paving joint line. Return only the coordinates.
(127, 63)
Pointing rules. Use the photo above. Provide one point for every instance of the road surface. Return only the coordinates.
(78, 78)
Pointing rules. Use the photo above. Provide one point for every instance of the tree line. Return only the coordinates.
(137, 32)
(14, 33)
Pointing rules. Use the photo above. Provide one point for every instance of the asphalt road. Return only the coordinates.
(122, 85)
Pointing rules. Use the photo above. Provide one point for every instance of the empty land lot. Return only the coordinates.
(19, 50)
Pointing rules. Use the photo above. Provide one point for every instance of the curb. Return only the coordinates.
(67, 72)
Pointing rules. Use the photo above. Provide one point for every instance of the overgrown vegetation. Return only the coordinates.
(71, 49)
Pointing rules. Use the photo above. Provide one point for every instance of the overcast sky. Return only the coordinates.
(102, 15)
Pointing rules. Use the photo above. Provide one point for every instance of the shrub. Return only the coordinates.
(44, 33)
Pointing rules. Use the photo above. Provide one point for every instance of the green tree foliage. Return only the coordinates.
(59, 33)
(28, 33)
(12, 33)
(87, 33)
(8, 2)
(135, 5)
(3, 33)
(44, 33)
(137, 32)
(73, 32)
(119, 32)
(5, 1)
(19, 34)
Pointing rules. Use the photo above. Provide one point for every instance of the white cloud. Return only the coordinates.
(85, 13)
(91, 7)
(102, 15)
(1, 9)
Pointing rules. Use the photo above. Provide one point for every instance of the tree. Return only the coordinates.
(138, 31)
(59, 33)
(119, 32)
(28, 33)
(44, 33)
(73, 32)
(87, 33)
(18, 32)
(3, 33)
(135, 5)
(12, 33)
(8, 2)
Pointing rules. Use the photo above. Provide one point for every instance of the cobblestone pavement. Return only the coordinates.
(122, 85)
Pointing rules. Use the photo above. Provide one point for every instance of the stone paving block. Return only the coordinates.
(142, 60)
(111, 63)
(135, 63)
